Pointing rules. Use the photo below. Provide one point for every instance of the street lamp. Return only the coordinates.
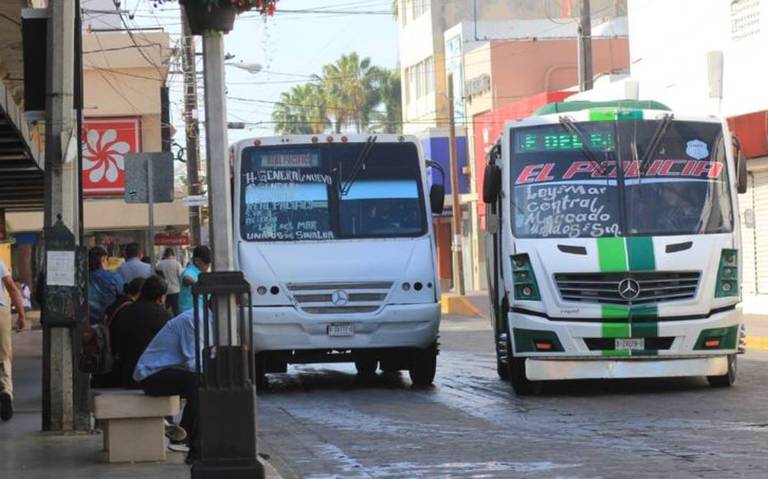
(252, 68)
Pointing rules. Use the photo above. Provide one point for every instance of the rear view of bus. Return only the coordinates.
(335, 236)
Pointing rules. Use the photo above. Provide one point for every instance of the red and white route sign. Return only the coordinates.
(105, 143)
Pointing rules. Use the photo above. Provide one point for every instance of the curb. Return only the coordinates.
(458, 305)
(757, 343)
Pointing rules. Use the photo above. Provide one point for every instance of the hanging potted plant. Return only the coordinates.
(219, 15)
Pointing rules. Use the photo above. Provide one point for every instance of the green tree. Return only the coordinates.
(351, 94)
(301, 110)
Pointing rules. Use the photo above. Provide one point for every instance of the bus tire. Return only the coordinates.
(366, 367)
(516, 372)
(727, 379)
(502, 357)
(260, 381)
(424, 366)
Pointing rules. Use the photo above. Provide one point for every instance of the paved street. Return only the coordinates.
(319, 422)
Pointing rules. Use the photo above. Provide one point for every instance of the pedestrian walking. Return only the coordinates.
(201, 262)
(171, 270)
(8, 294)
(133, 266)
(104, 286)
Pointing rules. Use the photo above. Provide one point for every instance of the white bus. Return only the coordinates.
(613, 245)
(334, 233)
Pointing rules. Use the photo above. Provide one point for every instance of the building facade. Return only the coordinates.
(123, 107)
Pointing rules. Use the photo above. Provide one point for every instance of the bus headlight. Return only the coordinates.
(526, 287)
(728, 274)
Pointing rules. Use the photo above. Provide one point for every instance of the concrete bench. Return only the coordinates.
(133, 423)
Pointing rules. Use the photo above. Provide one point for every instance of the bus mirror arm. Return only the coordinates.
(741, 167)
(437, 191)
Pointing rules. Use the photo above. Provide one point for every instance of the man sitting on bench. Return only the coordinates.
(167, 368)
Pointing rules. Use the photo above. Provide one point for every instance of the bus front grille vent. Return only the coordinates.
(627, 288)
(340, 298)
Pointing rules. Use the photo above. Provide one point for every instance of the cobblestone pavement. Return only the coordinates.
(320, 422)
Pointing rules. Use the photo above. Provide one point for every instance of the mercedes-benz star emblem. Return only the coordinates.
(340, 298)
(629, 288)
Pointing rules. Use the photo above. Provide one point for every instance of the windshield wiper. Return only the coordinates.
(357, 167)
(654, 144)
(571, 128)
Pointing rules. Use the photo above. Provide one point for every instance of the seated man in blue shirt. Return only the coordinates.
(167, 368)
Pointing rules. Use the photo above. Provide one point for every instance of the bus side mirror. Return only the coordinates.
(491, 183)
(437, 198)
(741, 173)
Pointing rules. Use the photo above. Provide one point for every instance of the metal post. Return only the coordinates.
(61, 380)
(458, 260)
(585, 47)
(151, 204)
(219, 189)
(191, 125)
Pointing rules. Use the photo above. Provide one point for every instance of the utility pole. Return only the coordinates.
(191, 125)
(458, 260)
(219, 188)
(62, 382)
(585, 47)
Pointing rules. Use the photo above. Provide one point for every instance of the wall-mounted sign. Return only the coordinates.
(105, 143)
(478, 85)
(171, 239)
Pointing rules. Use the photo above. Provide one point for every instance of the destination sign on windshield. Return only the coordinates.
(542, 141)
(290, 159)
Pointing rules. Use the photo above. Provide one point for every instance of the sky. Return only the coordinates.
(290, 47)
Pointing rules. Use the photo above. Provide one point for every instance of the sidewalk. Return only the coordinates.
(28, 453)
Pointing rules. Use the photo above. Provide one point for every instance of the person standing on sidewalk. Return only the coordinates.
(171, 271)
(6, 384)
(201, 261)
(133, 266)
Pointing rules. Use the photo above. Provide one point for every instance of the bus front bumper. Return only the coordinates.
(559, 369)
(282, 328)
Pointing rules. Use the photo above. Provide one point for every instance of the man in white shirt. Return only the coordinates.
(171, 270)
(8, 290)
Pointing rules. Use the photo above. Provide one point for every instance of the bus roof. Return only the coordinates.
(571, 106)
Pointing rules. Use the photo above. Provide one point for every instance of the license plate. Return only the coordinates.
(634, 344)
(340, 330)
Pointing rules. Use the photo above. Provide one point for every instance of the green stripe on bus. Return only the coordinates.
(640, 253)
(645, 330)
(616, 330)
(612, 255)
(614, 311)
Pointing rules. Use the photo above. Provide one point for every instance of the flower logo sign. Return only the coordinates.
(105, 143)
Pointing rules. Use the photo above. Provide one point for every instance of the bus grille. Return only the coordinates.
(654, 287)
(341, 297)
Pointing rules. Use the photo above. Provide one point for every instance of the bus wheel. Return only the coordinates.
(502, 357)
(423, 366)
(516, 373)
(366, 367)
(727, 379)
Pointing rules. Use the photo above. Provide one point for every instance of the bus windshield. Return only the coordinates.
(601, 179)
(317, 192)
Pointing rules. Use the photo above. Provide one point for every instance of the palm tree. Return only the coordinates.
(388, 95)
(347, 85)
(301, 110)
